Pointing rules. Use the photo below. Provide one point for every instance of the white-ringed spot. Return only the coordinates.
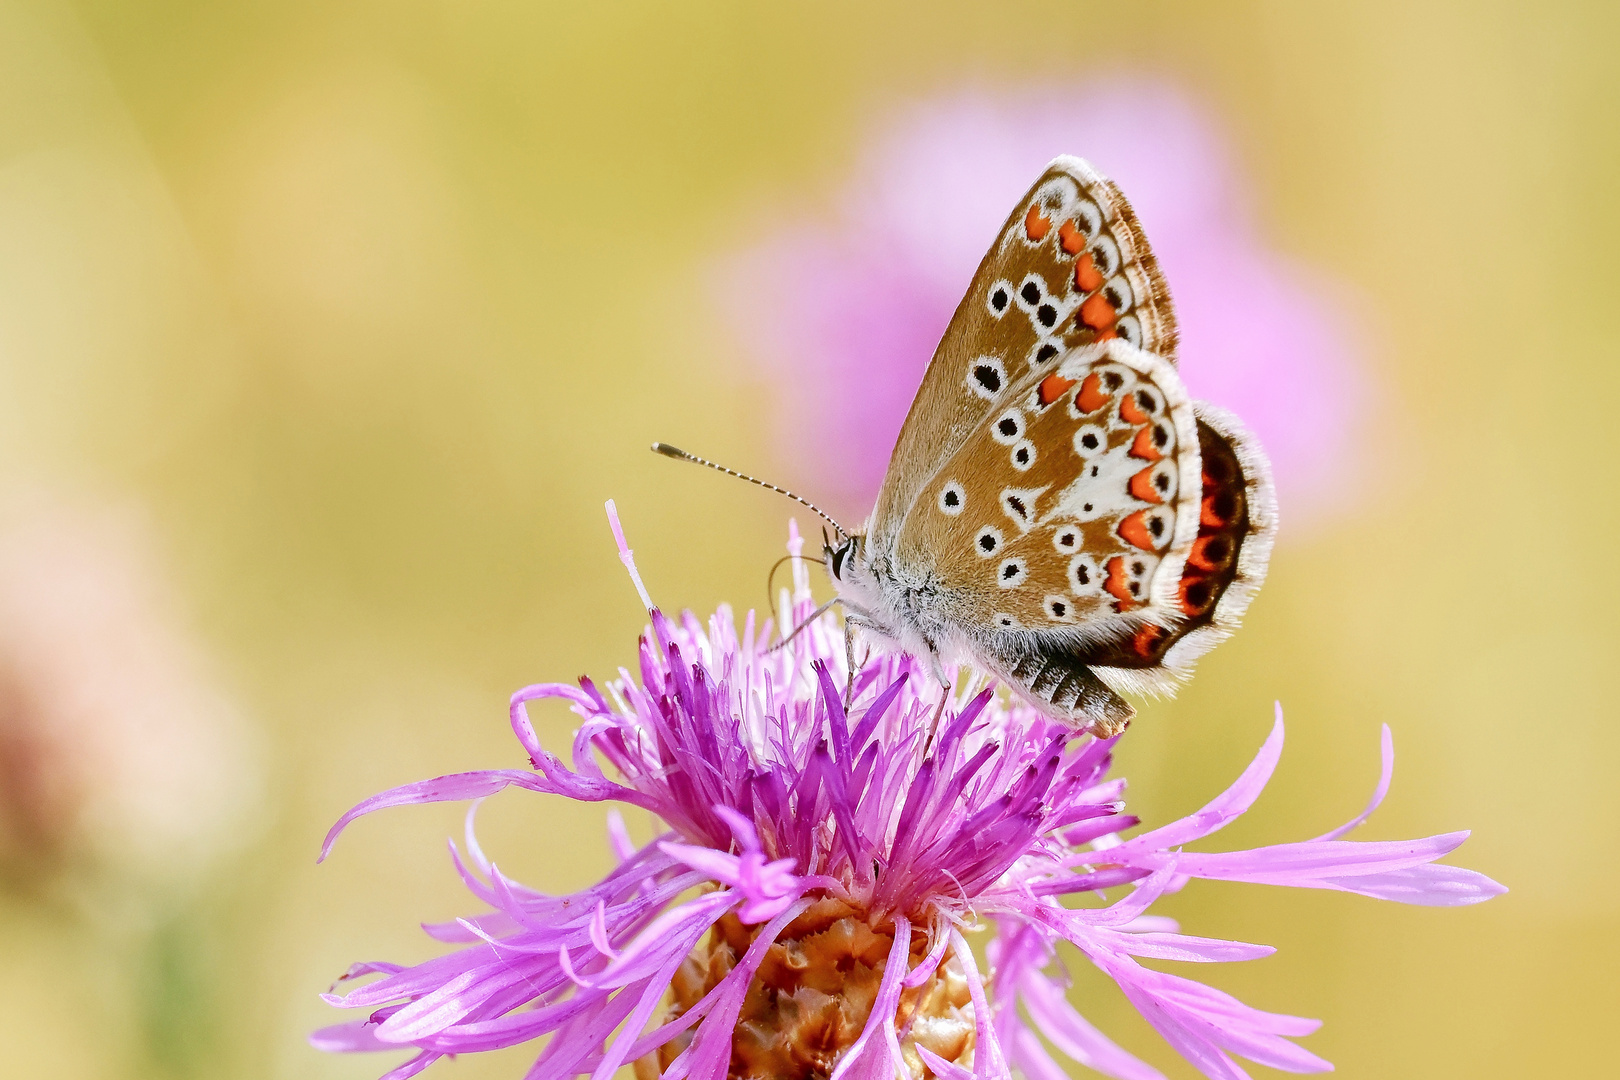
(1127, 577)
(1008, 428)
(1085, 576)
(1090, 440)
(1156, 483)
(1058, 608)
(1036, 300)
(986, 376)
(952, 497)
(988, 541)
(1105, 256)
(999, 298)
(1019, 505)
(1148, 400)
(1129, 329)
(1023, 455)
(1004, 621)
(1066, 539)
(1117, 291)
(1148, 530)
(1087, 217)
(1011, 573)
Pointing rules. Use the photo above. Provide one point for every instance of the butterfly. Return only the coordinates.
(1058, 511)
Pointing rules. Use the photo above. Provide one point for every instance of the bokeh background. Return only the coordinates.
(326, 329)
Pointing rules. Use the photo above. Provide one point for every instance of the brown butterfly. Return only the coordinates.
(1057, 511)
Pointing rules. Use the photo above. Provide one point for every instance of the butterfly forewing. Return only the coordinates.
(1064, 521)
(1070, 267)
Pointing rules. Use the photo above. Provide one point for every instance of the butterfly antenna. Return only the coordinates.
(675, 452)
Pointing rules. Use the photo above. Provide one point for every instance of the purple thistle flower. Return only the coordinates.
(808, 910)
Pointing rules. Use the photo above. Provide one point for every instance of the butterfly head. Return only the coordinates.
(841, 558)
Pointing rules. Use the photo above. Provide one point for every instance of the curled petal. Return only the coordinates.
(1386, 773)
(1226, 807)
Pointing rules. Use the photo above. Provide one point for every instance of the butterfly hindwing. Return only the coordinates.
(1063, 523)
(1223, 569)
(1069, 268)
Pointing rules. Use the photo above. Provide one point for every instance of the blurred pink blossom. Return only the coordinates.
(117, 750)
(855, 304)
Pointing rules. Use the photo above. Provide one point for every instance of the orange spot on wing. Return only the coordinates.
(1196, 594)
(1091, 396)
(1210, 512)
(1097, 312)
(1086, 276)
(1036, 224)
(1131, 412)
(1142, 486)
(1133, 530)
(1053, 387)
(1142, 447)
(1071, 238)
(1147, 640)
(1118, 585)
(1200, 555)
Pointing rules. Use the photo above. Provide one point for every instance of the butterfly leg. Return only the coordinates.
(939, 670)
(944, 697)
(849, 664)
(814, 615)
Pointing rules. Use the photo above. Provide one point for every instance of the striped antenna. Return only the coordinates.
(675, 452)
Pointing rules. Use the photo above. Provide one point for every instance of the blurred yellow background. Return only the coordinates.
(364, 309)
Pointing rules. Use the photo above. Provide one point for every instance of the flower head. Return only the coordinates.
(832, 844)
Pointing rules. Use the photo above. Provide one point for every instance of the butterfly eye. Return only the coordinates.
(951, 499)
(986, 376)
(1085, 577)
(1058, 608)
(1090, 440)
(987, 542)
(1129, 329)
(1000, 297)
(838, 556)
(1011, 573)
(1023, 455)
(1118, 294)
(1008, 428)
(1105, 256)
